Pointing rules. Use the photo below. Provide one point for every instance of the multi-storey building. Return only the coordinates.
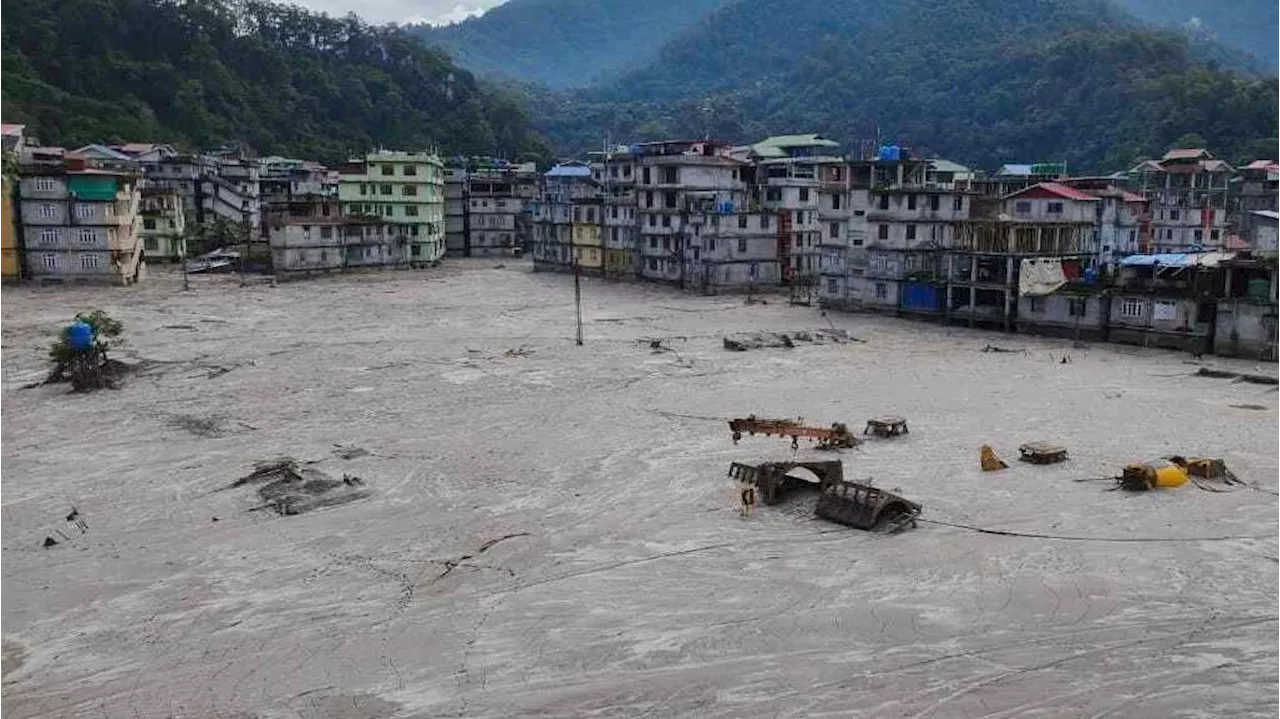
(615, 171)
(985, 263)
(499, 217)
(455, 208)
(1189, 192)
(310, 236)
(79, 223)
(163, 229)
(283, 178)
(402, 187)
(1258, 186)
(565, 187)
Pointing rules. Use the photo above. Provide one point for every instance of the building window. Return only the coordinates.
(958, 204)
(408, 190)
(742, 244)
(804, 194)
(49, 262)
(44, 184)
(648, 177)
(84, 211)
(1022, 207)
(911, 202)
(653, 262)
(935, 202)
(742, 222)
(626, 170)
(831, 285)
(834, 230)
(413, 230)
(671, 175)
(883, 232)
(89, 262)
(1131, 308)
(883, 202)
(882, 291)
(666, 243)
(410, 210)
(591, 214)
(1037, 304)
(1054, 208)
(415, 249)
(1077, 308)
(388, 170)
(148, 223)
(1164, 310)
(326, 232)
(835, 202)
(773, 194)
(384, 189)
(364, 189)
(1173, 214)
(764, 222)
(911, 232)
(613, 212)
(1213, 234)
(857, 242)
(88, 236)
(711, 244)
(150, 244)
(1199, 235)
(48, 237)
(669, 200)
(653, 243)
(410, 170)
(653, 220)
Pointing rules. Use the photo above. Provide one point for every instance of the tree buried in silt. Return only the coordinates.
(80, 354)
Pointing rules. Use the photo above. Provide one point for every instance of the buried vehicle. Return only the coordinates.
(849, 503)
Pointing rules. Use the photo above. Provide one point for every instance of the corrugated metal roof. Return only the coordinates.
(1014, 170)
(569, 170)
(1272, 214)
(1262, 165)
(1058, 189)
(940, 165)
(1193, 259)
(10, 129)
(1187, 154)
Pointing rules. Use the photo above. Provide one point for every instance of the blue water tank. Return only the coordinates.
(895, 153)
(883, 153)
(1091, 276)
(80, 336)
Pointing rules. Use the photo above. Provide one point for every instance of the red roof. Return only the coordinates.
(10, 129)
(1187, 154)
(1235, 243)
(1055, 188)
(1269, 165)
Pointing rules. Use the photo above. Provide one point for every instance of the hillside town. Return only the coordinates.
(1178, 251)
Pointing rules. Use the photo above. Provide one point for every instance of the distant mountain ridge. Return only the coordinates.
(565, 43)
(1075, 80)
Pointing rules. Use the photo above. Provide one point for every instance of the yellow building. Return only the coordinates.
(588, 251)
(9, 269)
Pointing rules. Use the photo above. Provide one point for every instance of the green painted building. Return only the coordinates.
(406, 188)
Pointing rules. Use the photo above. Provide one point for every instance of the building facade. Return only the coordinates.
(163, 229)
(81, 224)
(401, 187)
(310, 237)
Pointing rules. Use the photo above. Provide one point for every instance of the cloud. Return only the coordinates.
(435, 12)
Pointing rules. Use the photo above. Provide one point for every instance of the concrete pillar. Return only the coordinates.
(973, 268)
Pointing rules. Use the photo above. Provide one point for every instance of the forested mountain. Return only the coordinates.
(1249, 25)
(565, 43)
(979, 81)
(283, 79)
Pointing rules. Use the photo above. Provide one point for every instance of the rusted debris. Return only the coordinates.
(1042, 453)
(758, 340)
(989, 461)
(850, 503)
(1204, 468)
(837, 436)
(288, 488)
(888, 426)
(862, 506)
(1156, 474)
(1238, 376)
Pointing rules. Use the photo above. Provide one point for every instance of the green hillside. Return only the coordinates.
(565, 43)
(200, 73)
(979, 81)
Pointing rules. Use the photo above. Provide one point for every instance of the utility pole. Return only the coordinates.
(186, 280)
(577, 299)
(244, 238)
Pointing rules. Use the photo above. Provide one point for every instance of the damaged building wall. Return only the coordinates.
(1082, 316)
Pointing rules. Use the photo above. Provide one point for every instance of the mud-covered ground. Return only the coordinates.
(550, 532)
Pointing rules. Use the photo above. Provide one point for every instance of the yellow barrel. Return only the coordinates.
(1167, 474)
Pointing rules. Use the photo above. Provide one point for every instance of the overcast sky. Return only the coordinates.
(403, 11)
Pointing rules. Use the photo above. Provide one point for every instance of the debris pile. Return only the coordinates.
(1238, 376)
(989, 461)
(289, 488)
(744, 341)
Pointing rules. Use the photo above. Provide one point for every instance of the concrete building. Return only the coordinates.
(163, 230)
(1259, 232)
(13, 138)
(498, 196)
(310, 236)
(1167, 300)
(566, 186)
(1048, 220)
(402, 187)
(1257, 187)
(80, 224)
(283, 178)
(1189, 192)
(455, 208)
(899, 225)
(1245, 321)
(615, 171)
